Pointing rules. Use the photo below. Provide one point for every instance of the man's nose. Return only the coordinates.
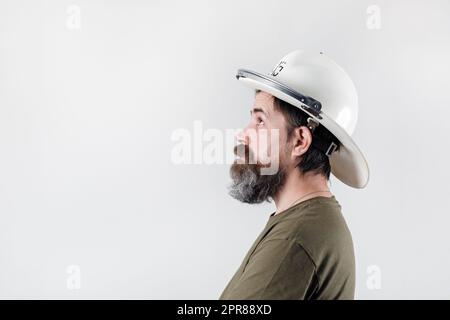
(242, 137)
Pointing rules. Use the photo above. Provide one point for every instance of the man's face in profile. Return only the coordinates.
(260, 168)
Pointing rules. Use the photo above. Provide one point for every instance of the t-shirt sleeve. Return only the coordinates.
(278, 269)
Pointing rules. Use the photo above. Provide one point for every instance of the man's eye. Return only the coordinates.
(259, 121)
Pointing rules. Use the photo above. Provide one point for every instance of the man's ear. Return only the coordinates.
(301, 141)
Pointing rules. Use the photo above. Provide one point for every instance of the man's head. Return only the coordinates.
(278, 133)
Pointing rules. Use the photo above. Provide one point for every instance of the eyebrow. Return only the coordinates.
(258, 110)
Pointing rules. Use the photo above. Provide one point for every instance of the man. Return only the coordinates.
(305, 250)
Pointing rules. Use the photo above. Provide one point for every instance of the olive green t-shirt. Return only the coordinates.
(304, 252)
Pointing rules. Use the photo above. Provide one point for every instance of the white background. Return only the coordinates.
(88, 104)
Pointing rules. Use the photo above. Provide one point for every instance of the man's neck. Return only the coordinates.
(301, 187)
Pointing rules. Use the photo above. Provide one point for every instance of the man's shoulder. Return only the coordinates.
(319, 227)
(320, 230)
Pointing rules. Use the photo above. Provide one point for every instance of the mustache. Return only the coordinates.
(244, 152)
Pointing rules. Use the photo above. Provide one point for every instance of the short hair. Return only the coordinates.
(314, 159)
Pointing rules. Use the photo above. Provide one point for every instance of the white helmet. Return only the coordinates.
(320, 87)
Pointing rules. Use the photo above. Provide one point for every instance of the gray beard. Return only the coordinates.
(249, 186)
